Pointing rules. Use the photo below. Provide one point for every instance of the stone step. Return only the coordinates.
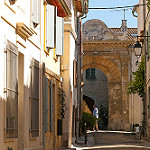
(121, 148)
(63, 148)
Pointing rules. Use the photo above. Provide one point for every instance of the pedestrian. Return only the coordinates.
(95, 114)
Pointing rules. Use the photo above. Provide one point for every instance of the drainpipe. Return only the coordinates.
(43, 127)
(45, 29)
(79, 99)
(145, 88)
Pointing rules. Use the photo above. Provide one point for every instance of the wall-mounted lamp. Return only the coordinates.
(137, 49)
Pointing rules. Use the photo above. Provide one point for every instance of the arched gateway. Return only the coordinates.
(108, 50)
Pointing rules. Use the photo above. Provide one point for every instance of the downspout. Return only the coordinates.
(43, 133)
(79, 106)
(45, 29)
(145, 88)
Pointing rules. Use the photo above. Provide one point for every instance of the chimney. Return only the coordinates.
(124, 26)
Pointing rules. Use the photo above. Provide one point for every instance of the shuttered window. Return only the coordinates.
(50, 26)
(11, 91)
(36, 11)
(148, 41)
(59, 36)
(90, 73)
(34, 99)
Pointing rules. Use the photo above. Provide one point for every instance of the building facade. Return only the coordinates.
(107, 50)
(144, 30)
(33, 38)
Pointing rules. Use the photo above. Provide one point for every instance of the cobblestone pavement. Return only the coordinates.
(112, 140)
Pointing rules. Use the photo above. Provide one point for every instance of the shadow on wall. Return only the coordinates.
(88, 104)
(103, 115)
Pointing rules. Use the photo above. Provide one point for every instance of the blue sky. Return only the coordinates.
(112, 18)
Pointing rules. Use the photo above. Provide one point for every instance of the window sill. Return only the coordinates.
(32, 138)
(7, 139)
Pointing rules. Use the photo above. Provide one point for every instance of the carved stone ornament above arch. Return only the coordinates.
(96, 30)
(12, 2)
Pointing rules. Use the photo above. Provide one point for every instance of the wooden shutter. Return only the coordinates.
(46, 106)
(35, 98)
(149, 101)
(75, 73)
(148, 42)
(50, 32)
(51, 104)
(59, 36)
(36, 11)
(12, 90)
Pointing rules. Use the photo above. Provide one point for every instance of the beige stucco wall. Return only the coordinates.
(65, 61)
(27, 51)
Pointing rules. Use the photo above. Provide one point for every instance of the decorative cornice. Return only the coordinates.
(53, 74)
(23, 31)
(107, 42)
(66, 8)
(68, 28)
(63, 9)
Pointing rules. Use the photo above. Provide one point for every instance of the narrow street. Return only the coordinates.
(113, 140)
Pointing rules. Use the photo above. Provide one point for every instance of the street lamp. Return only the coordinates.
(138, 49)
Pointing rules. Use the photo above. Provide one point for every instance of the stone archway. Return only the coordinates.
(114, 88)
(109, 52)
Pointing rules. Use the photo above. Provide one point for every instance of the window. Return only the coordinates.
(34, 99)
(90, 73)
(12, 91)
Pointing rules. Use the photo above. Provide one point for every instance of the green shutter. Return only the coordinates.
(92, 72)
(87, 73)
